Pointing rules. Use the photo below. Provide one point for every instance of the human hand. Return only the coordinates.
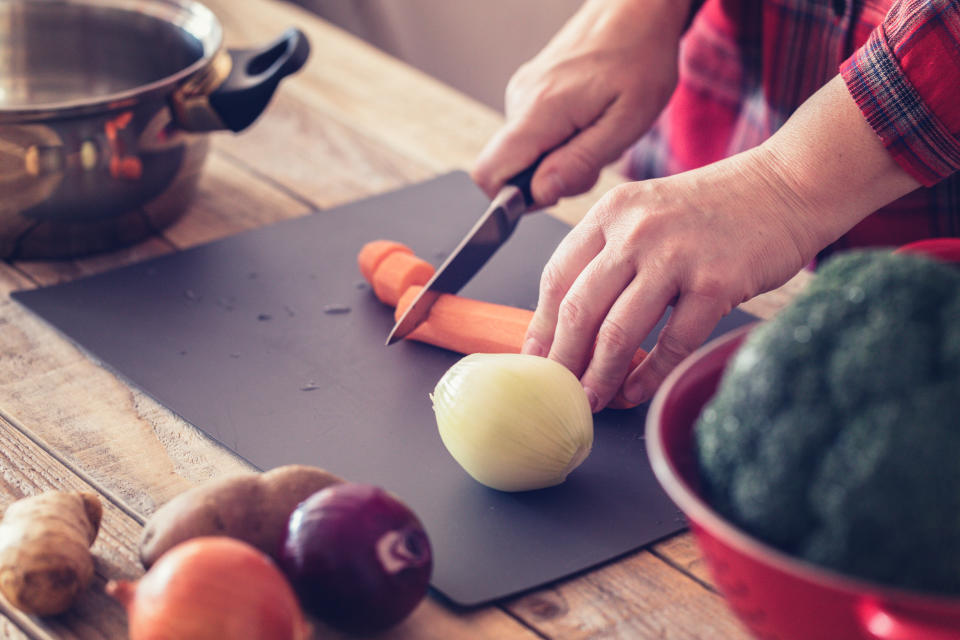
(681, 241)
(591, 92)
(705, 241)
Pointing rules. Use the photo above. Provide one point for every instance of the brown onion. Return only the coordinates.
(212, 588)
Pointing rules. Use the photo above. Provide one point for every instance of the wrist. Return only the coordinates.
(833, 164)
(788, 201)
(667, 19)
(675, 16)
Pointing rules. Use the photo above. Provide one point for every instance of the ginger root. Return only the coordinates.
(45, 559)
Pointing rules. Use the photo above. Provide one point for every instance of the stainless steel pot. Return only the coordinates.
(103, 109)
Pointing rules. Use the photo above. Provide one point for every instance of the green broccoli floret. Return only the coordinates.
(835, 432)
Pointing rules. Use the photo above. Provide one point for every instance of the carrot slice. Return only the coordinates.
(396, 273)
(373, 253)
(468, 326)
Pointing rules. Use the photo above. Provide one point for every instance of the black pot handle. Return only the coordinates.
(254, 76)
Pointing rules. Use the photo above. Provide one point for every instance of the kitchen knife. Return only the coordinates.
(482, 241)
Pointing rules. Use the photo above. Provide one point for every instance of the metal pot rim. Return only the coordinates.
(187, 15)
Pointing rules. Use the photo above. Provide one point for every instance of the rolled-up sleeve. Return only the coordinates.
(906, 81)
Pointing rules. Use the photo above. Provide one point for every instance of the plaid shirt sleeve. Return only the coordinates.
(906, 81)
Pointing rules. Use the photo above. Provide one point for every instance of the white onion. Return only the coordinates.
(514, 422)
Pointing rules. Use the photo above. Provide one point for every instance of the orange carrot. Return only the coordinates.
(396, 273)
(373, 253)
(473, 326)
(468, 326)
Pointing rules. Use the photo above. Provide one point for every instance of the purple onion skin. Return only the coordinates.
(358, 557)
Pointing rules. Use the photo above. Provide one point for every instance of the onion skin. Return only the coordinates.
(358, 557)
(212, 588)
(514, 422)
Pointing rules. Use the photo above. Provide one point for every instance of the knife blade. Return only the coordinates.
(486, 236)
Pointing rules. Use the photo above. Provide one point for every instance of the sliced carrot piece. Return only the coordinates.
(373, 253)
(396, 273)
(468, 326)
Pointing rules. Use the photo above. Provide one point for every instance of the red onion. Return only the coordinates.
(358, 557)
(210, 588)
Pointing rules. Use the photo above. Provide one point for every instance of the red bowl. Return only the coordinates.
(946, 249)
(777, 596)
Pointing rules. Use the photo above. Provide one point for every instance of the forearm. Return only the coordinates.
(623, 18)
(831, 164)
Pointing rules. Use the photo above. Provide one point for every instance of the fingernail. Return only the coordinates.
(555, 187)
(533, 347)
(636, 393)
(593, 399)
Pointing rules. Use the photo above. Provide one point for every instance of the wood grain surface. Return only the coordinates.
(353, 123)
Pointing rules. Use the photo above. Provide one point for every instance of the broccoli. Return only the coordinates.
(835, 432)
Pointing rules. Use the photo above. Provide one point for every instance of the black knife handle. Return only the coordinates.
(524, 179)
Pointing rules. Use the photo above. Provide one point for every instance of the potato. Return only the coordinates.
(252, 507)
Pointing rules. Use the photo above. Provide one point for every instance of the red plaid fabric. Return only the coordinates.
(746, 65)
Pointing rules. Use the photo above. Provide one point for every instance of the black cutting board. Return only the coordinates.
(248, 338)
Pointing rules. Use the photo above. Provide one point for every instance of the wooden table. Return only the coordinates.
(353, 123)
